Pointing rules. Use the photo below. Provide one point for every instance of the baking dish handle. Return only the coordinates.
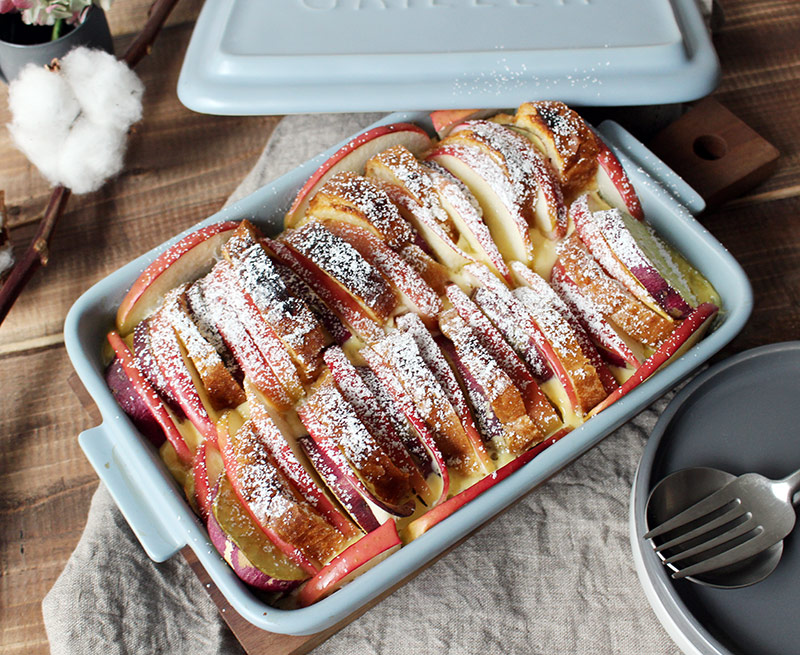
(114, 470)
(628, 147)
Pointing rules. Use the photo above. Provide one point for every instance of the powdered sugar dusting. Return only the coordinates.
(611, 299)
(432, 356)
(491, 378)
(199, 350)
(340, 260)
(205, 325)
(288, 316)
(488, 335)
(372, 202)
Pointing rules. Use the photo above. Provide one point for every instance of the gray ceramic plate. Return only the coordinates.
(741, 415)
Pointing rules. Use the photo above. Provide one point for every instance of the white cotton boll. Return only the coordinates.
(72, 124)
(108, 91)
(41, 148)
(91, 154)
(42, 100)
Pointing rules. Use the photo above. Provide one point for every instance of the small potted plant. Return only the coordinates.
(38, 31)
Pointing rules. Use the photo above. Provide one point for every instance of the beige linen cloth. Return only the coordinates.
(552, 575)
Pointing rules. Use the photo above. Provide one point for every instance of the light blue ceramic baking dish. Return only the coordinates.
(154, 506)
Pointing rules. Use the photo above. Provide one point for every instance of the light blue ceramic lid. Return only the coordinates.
(288, 56)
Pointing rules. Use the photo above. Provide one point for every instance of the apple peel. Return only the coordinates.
(183, 261)
(684, 336)
(366, 552)
(352, 157)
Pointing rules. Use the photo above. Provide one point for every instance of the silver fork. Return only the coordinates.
(744, 518)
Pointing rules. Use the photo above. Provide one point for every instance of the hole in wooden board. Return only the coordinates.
(710, 147)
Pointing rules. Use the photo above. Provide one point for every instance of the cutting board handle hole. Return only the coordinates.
(710, 147)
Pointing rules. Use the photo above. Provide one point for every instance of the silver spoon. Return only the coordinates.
(753, 500)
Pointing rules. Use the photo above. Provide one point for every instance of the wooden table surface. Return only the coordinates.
(180, 168)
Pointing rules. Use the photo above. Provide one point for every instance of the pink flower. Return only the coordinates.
(7, 6)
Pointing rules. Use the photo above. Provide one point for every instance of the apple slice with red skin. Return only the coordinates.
(373, 415)
(340, 486)
(625, 258)
(613, 183)
(353, 155)
(509, 317)
(287, 460)
(355, 199)
(206, 472)
(444, 120)
(405, 404)
(526, 168)
(411, 190)
(562, 349)
(244, 348)
(183, 261)
(616, 348)
(688, 332)
(498, 406)
(416, 293)
(223, 390)
(251, 555)
(355, 560)
(335, 427)
(544, 332)
(463, 208)
(226, 282)
(528, 278)
(145, 362)
(177, 370)
(132, 403)
(330, 321)
(490, 425)
(149, 397)
(394, 414)
(502, 205)
(539, 407)
(287, 519)
(634, 318)
(436, 514)
(400, 352)
(438, 365)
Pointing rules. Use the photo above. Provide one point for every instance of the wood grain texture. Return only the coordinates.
(716, 152)
(181, 166)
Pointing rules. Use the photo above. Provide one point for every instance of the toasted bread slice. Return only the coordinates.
(355, 199)
(223, 390)
(332, 257)
(631, 316)
(493, 391)
(567, 141)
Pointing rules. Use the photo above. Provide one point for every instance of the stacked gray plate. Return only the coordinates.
(741, 415)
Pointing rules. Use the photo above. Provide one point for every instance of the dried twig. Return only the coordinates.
(6, 255)
(38, 251)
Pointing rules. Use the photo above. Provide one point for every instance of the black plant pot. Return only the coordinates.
(22, 44)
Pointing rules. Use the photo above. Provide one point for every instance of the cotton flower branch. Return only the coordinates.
(38, 252)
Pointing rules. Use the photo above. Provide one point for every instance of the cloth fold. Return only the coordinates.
(553, 574)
